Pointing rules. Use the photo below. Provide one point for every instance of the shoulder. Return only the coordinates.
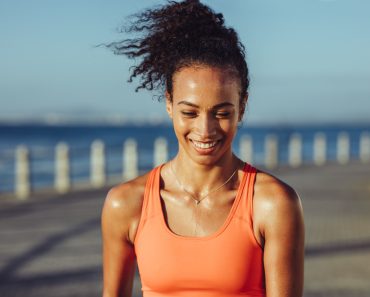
(271, 190)
(126, 195)
(276, 203)
(122, 205)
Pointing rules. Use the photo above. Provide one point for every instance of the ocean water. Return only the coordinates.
(42, 139)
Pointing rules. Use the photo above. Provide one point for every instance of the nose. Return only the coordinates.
(205, 126)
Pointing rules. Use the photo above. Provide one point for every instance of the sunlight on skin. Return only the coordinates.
(205, 108)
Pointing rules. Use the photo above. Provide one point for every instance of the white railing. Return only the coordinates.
(295, 150)
(130, 160)
(62, 180)
(22, 168)
(98, 175)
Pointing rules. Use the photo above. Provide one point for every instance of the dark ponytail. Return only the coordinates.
(180, 34)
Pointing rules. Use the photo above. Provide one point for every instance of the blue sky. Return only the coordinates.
(309, 60)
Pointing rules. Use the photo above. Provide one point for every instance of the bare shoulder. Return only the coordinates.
(272, 190)
(122, 206)
(275, 202)
(280, 225)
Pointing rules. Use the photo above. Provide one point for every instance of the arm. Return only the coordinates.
(283, 230)
(118, 253)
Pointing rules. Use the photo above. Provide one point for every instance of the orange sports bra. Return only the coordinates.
(227, 263)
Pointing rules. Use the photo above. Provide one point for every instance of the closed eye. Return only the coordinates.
(222, 114)
(189, 113)
(218, 114)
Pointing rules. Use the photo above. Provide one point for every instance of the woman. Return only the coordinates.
(205, 223)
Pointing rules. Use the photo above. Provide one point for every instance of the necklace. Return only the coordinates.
(197, 201)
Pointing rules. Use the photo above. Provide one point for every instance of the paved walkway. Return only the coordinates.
(51, 246)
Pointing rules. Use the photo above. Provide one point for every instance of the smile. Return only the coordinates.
(204, 145)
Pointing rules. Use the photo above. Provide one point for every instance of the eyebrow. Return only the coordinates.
(223, 104)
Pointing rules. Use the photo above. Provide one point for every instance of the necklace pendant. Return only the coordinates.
(209, 192)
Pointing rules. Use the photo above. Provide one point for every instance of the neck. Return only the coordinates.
(200, 179)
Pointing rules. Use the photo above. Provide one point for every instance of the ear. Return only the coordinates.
(242, 107)
(168, 104)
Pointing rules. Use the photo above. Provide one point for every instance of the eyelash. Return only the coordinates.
(217, 114)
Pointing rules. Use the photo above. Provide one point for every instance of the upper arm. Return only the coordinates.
(284, 243)
(118, 253)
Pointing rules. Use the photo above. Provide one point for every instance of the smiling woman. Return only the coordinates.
(205, 223)
(205, 111)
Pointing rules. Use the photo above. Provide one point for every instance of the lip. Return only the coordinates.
(205, 151)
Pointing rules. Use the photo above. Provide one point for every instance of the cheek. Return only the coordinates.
(181, 127)
(179, 123)
(229, 127)
(230, 123)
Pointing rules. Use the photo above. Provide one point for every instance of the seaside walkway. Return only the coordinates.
(51, 245)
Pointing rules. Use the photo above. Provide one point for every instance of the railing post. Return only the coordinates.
(97, 173)
(160, 151)
(246, 148)
(295, 150)
(271, 151)
(22, 173)
(365, 147)
(130, 160)
(62, 178)
(319, 149)
(343, 148)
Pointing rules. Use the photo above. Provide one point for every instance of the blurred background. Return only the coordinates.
(71, 127)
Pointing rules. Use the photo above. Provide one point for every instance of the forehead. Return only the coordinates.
(207, 81)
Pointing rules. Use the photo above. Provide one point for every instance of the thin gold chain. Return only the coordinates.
(191, 194)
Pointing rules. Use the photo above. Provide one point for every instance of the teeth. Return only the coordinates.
(204, 145)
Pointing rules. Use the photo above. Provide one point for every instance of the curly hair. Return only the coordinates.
(176, 35)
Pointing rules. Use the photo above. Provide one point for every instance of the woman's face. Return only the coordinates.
(205, 110)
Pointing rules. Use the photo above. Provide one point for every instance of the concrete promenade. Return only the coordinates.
(51, 245)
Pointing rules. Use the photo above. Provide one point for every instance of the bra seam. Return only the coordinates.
(241, 218)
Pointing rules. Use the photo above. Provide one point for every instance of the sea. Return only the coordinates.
(41, 140)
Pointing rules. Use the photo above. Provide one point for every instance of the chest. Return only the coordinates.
(226, 261)
(184, 217)
(225, 257)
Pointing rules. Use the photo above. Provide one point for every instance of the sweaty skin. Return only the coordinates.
(205, 110)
